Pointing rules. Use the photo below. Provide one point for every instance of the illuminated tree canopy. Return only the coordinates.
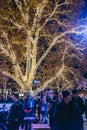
(43, 40)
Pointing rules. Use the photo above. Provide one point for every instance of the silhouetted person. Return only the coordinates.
(77, 99)
(52, 104)
(16, 116)
(67, 115)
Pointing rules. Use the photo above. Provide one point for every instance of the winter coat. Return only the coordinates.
(67, 116)
(16, 113)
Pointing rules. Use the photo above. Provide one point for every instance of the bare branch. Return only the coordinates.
(38, 14)
(82, 40)
(19, 5)
(3, 18)
(11, 53)
(59, 73)
(50, 80)
(16, 79)
(9, 75)
(16, 24)
(63, 12)
(74, 46)
(58, 22)
(4, 50)
(55, 41)
(40, 9)
(66, 2)
(4, 35)
(46, 35)
(54, 12)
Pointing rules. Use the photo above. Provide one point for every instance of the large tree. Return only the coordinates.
(39, 40)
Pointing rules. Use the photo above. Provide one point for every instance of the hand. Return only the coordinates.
(16, 120)
(7, 122)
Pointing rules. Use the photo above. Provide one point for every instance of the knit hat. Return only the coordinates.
(65, 93)
(74, 91)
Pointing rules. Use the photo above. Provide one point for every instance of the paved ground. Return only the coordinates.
(46, 126)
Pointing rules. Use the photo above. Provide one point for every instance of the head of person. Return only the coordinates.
(55, 95)
(51, 94)
(66, 96)
(60, 96)
(15, 97)
(75, 93)
(4, 106)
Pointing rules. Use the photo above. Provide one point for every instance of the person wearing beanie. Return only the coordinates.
(65, 93)
(67, 115)
(74, 91)
(66, 96)
(77, 99)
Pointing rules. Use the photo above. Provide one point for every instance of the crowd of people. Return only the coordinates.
(63, 111)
